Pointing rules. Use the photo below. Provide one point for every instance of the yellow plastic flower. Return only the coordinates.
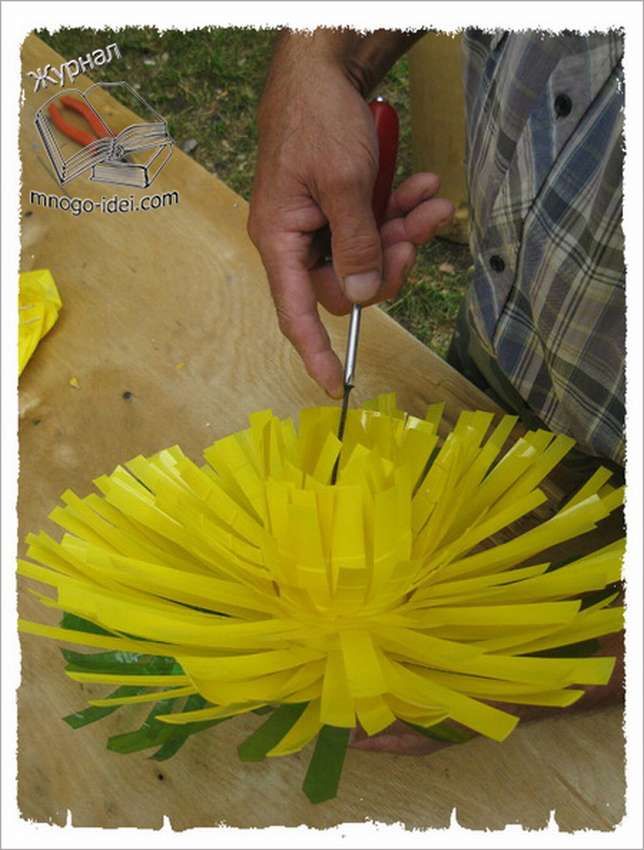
(374, 599)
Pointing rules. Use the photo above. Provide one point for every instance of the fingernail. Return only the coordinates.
(334, 393)
(361, 287)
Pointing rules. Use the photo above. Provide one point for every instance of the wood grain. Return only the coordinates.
(172, 308)
(438, 120)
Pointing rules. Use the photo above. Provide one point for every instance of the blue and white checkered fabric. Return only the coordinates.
(544, 140)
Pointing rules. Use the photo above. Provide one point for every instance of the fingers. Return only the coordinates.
(399, 238)
(398, 262)
(355, 238)
(415, 216)
(410, 744)
(368, 265)
(420, 225)
(328, 290)
(398, 738)
(413, 213)
(297, 314)
(412, 192)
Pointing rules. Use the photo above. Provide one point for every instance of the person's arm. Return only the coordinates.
(364, 59)
(317, 163)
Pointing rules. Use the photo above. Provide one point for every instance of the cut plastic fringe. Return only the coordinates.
(375, 599)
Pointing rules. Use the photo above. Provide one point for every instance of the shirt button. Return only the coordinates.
(497, 263)
(563, 105)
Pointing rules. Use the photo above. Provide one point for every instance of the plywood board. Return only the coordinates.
(168, 328)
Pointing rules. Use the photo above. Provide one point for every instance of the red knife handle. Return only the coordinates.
(386, 120)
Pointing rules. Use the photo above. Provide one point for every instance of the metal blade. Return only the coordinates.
(349, 376)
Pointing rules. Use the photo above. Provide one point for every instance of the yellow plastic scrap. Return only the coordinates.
(38, 305)
(371, 600)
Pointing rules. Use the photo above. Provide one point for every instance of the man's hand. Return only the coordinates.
(317, 164)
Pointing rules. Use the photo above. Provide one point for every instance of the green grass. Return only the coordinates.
(207, 82)
(428, 305)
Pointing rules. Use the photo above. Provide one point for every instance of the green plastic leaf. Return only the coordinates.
(118, 662)
(153, 733)
(171, 747)
(271, 732)
(94, 712)
(174, 743)
(113, 662)
(181, 734)
(444, 732)
(325, 768)
(78, 624)
(193, 703)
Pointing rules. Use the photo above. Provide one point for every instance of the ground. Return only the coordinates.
(206, 83)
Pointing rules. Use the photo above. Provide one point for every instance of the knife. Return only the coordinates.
(386, 122)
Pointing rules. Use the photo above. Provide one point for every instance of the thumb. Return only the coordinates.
(355, 244)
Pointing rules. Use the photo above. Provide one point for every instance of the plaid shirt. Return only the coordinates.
(544, 139)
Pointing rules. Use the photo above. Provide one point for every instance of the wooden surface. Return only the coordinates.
(172, 306)
(438, 120)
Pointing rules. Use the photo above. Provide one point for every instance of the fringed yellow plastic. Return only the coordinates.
(38, 304)
(370, 600)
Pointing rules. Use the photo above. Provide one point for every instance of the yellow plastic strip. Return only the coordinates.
(482, 718)
(336, 706)
(151, 697)
(147, 681)
(374, 714)
(362, 664)
(238, 667)
(304, 730)
(180, 718)
(119, 644)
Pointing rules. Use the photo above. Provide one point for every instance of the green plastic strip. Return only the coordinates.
(445, 732)
(94, 712)
(325, 768)
(271, 732)
(117, 662)
(153, 733)
(181, 733)
(78, 624)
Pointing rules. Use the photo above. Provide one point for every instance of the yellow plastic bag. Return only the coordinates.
(38, 304)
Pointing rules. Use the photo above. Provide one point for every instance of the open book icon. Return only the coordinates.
(82, 133)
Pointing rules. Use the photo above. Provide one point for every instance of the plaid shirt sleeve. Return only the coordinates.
(544, 143)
